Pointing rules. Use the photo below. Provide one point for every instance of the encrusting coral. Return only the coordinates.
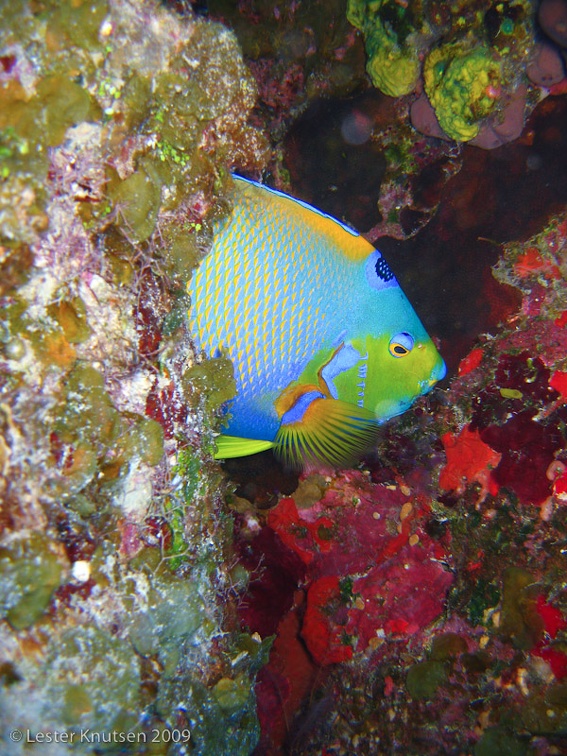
(119, 122)
(473, 68)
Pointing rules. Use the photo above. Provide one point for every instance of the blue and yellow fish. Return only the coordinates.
(325, 344)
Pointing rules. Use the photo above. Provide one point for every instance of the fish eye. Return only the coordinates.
(401, 344)
(378, 272)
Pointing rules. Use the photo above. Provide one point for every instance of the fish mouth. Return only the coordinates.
(440, 372)
(437, 374)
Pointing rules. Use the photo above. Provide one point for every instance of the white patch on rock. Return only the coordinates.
(136, 495)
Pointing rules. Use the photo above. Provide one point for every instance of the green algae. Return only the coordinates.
(425, 678)
(83, 668)
(167, 106)
(15, 267)
(29, 125)
(447, 646)
(137, 200)
(82, 505)
(88, 413)
(499, 740)
(175, 613)
(509, 393)
(545, 712)
(143, 439)
(72, 317)
(214, 730)
(520, 621)
(104, 440)
(31, 570)
(232, 694)
(63, 104)
(212, 380)
(183, 250)
(77, 22)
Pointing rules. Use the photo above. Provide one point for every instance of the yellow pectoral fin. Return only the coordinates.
(328, 431)
(234, 446)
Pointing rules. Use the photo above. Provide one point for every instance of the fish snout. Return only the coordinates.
(437, 374)
(440, 371)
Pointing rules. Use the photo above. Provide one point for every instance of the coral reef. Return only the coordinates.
(470, 67)
(394, 34)
(369, 571)
(296, 52)
(320, 615)
(118, 125)
(459, 83)
(428, 587)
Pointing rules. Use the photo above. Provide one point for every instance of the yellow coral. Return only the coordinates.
(462, 86)
(391, 37)
(392, 70)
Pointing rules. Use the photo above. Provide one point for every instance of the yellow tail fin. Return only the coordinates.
(234, 446)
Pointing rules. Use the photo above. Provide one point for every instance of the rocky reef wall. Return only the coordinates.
(118, 122)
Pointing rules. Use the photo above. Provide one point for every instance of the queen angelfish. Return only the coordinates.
(324, 343)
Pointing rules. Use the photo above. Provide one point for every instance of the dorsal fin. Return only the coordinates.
(299, 202)
(346, 241)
